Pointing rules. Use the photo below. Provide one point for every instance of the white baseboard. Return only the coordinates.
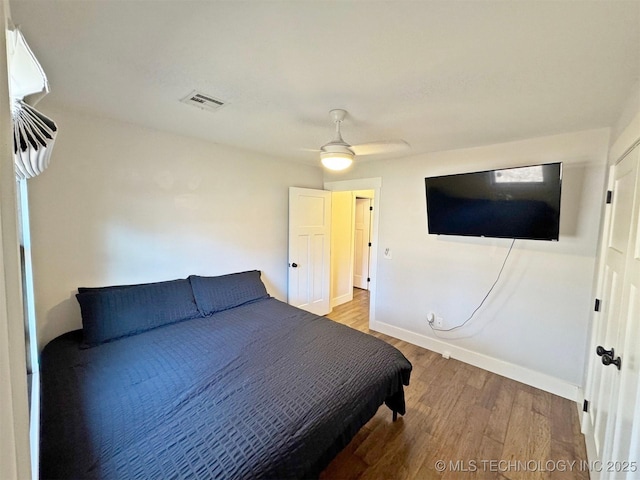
(347, 297)
(520, 374)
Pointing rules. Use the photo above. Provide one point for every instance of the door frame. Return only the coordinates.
(374, 184)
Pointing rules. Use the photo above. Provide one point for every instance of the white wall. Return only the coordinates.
(341, 248)
(534, 326)
(123, 204)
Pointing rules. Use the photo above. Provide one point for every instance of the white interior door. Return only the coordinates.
(626, 438)
(362, 243)
(613, 392)
(309, 249)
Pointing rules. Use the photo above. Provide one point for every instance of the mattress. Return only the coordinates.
(263, 390)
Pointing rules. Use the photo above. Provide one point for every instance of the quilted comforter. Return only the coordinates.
(263, 390)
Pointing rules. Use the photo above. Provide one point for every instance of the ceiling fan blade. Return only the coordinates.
(387, 146)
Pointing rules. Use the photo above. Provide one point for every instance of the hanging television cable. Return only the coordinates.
(436, 329)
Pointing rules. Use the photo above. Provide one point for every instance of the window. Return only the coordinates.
(519, 175)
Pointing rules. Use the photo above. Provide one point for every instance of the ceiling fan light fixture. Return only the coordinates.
(338, 155)
(336, 160)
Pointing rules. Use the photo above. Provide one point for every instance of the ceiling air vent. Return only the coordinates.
(205, 102)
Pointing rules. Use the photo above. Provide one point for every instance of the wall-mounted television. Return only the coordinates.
(521, 202)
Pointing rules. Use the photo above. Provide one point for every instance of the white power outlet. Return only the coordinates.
(431, 317)
(439, 322)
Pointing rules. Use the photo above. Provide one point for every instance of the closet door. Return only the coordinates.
(626, 431)
(613, 371)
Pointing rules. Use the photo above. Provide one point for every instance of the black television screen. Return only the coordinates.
(522, 202)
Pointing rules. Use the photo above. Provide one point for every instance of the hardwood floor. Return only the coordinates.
(481, 425)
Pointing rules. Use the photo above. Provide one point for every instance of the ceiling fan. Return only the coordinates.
(338, 154)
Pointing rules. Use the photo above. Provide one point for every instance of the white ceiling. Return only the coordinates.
(439, 74)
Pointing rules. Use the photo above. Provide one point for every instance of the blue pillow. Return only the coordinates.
(109, 313)
(110, 287)
(215, 294)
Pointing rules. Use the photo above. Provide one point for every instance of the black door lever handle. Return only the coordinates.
(608, 360)
(601, 351)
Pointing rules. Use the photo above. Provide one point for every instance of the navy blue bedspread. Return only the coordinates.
(263, 390)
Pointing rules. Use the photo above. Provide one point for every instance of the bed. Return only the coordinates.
(207, 377)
